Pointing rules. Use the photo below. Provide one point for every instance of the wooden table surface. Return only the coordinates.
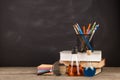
(29, 73)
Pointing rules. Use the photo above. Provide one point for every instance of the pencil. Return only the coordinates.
(76, 31)
(88, 29)
(84, 38)
(93, 26)
(84, 32)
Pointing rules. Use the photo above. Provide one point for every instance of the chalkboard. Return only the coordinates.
(33, 32)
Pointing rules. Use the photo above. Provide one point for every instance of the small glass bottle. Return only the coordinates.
(75, 69)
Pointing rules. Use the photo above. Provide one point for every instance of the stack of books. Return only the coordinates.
(95, 58)
(44, 69)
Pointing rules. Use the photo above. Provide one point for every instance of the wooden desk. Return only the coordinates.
(29, 73)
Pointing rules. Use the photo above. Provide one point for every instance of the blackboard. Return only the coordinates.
(33, 32)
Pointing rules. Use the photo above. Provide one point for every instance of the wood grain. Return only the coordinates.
(29, 73)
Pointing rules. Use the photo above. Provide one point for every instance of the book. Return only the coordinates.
(45, 66)
(98, 70)
(96, 64)
(67, 54)
(44, 69)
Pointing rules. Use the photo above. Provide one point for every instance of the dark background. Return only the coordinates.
(35, 31)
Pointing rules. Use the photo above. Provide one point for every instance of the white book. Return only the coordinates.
(68, 56)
